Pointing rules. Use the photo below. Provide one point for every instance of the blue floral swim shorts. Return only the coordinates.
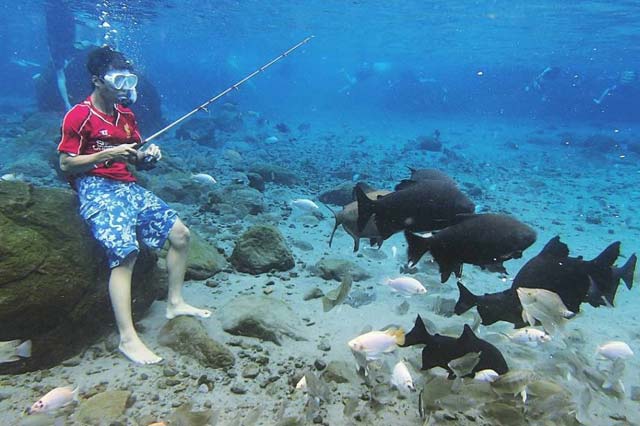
(120, 213)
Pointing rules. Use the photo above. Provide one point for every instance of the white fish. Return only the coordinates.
(394, 251)
(24, 63)
(271, 139)
(57, 398)
(529, 336)
(305, 204)
(204, 178)
(614, 350)
(302, 384)
(375, 343)
(13, 350)
(544, 306)
(401, 378)
(407, 286)
(12, 177)
(488, 375)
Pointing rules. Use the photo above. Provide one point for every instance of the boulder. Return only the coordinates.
(54, 277)
(186, 335)
(276, 174)
(102, 408)
(262, 317)
(237, 200)
(262, 248)
(204, 259)
(341, 195)
(337, 269)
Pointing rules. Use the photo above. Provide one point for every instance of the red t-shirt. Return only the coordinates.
(85, 130)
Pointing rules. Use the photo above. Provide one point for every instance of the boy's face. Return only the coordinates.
(115, 84)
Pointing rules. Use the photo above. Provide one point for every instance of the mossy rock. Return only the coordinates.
(260, 249)
(54, 277)
(186, 335)
(337, 269)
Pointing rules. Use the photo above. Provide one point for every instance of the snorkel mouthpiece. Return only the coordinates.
(128, 98)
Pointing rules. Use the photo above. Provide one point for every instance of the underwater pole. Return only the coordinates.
(204, 106)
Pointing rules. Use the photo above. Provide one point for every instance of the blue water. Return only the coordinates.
(190, 48)
(515, 88)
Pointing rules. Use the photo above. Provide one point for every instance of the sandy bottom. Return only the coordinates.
(552, 187)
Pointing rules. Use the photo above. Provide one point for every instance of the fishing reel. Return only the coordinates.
(147, 163)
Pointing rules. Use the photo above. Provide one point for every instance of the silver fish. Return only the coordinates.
(13, 350)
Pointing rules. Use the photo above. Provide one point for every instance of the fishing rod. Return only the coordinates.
(204, 106)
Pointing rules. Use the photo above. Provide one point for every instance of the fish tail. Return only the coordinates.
(418, 334)
(24, 349)
(416, 246)
(398, 334)
(366, 207)
(608, 255)
(466, 301)
(627, 271)
(75, 393)
(335, 227)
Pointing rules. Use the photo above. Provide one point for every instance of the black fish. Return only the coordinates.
(430, 174)
(440, 350)
(492, 307)
(485, 240)
(417, 206)
(574, 280)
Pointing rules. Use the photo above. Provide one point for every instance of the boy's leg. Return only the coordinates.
(120, 291)
(176, 267)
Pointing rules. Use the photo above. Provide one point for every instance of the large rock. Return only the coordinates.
(187, 336)
(263, 317)
(102, 408)
(337, 269)
(340, 195)
(204, 259)
(54, 277)
(274, 173)
(235, 200)
(261, 249)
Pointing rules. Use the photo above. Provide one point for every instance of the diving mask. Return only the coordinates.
(121, 80)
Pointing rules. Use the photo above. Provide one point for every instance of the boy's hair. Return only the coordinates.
(102, 59)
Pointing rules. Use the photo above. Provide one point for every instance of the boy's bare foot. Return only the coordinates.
(186, 309)
(137, 352)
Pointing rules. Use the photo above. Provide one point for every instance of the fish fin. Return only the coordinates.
(356, 243)
(556, 249)
(527, 317)
(12, 358)
(466, 301)
(366, 207)
(335, 227)
(417, 335)
(377, 241)
(608, 255)
(416, 246)
(398, 335)
(404, 184)
(447, 268)
(627, 270)
(467, 334)
(75, 392)
(24, 350)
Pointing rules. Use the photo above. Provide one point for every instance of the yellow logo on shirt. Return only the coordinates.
(127, 130)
